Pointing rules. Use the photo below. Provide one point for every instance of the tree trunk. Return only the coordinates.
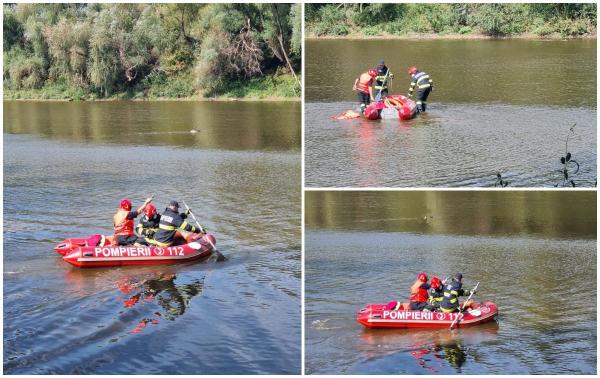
(280, 39)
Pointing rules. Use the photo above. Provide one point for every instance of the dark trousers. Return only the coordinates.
(126, 239)
(422, 99)
(418, 306)
(364, 98)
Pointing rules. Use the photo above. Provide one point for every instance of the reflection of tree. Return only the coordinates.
(553, 214)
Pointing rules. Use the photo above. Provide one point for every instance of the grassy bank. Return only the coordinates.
(447, 36)
(274, 87)
(490, 20)
(151, 51)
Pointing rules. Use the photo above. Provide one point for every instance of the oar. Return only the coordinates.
(220, 256)
(460, 309)
(378, 97)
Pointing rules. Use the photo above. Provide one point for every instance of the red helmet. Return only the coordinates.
(412, 70)
(150, 210)
(125, 204)
(372, 72)
(422, 277)
(436, 282)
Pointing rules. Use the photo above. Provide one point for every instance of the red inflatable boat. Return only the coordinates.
(377, 316)
(90, 252)
(392, 107)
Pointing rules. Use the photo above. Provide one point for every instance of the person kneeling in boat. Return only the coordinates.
(436, 294)
(453, 290)
(148, 225)
(123, 222)
(170, 222)
(419, 294)
(423, 84)
(364, 87)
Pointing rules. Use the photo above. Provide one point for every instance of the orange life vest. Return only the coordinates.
(123, 226)
(417, 293)
(364, 82)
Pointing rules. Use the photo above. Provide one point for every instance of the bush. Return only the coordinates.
(177, 87)
(25, 71)
(571, 28)
(372, 30)
(332, 20)
(465, 30)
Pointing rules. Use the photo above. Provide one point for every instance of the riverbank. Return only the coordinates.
(267, 88)
(490, 20)
(446, 36)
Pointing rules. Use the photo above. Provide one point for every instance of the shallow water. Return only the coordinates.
(535, 259)
(199, 318)
(498, 107)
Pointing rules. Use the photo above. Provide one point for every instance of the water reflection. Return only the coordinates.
(465, 71)
(465, 213)
(433, 351)
(222, 125)
(162, 290)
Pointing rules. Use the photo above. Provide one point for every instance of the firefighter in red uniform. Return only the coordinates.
(364, 87)
(418, 293)
(123, 222)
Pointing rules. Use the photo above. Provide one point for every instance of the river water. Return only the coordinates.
(533, 252)
(66, 165)
(498, 107)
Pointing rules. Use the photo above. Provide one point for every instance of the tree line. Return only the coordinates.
(493, 19)
(171, 49)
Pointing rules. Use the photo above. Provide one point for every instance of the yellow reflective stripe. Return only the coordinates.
(413, 83)
(418, 103)
(380, 87)
(422, 78)
(453, 300)
(454, 292)
(424, 86)
(446, 294)
(168, 228)
(184, 225)
(156, 242)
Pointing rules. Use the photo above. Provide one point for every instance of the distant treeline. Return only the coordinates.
(152, 50)
(493, 19)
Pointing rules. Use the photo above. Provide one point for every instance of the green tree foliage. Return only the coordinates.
(114, 48)
(495, 19)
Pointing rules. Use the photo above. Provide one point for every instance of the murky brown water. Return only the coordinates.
(498, 107)
(66, 165)
(533, 252)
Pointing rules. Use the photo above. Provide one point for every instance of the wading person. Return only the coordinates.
(123, 222)
(423, 84)
(148, 224)
(452, 291)
(170, 222)
(418, 293)
(382, 79)
(363, 85)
